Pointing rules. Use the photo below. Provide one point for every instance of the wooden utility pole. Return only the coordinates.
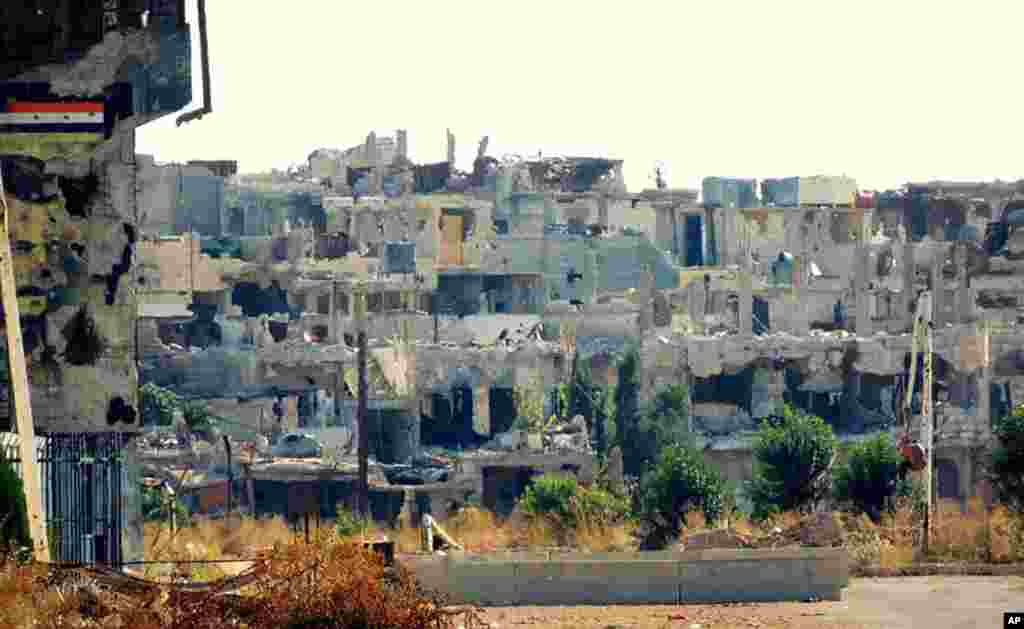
(928, 436)
(20, 394)
(363, 484)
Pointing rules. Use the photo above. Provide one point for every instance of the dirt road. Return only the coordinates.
(896, 603)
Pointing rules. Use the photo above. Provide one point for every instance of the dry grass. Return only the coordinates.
(600, 537)
(478, 530)
(209, 540)
(328, 583)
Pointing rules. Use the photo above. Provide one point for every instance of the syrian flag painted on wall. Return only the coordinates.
(52, 117)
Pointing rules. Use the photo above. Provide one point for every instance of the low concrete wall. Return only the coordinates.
(672, 578)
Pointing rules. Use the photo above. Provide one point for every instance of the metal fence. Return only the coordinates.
(84, 482)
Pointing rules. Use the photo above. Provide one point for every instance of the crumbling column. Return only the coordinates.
(938, 285)
(746, 295)
(451, 148)
(402, 148)
(291, 414)
(909, 285)
(226, 302)
(862, 294)
(964, 299)
(800, 317)
(482, 407)
(984, 392)
(645, 320)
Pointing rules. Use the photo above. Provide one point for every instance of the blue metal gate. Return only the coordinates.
(84, 480)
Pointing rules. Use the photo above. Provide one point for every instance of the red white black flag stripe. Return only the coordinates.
(50, 117)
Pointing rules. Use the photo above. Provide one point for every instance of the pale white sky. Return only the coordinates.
(886, 91)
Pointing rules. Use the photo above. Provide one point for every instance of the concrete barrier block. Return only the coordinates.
(597, 590)
(747, 581)
(485, 583)
(617, 569)
(538, 570)
(559, 591)
(431, 572)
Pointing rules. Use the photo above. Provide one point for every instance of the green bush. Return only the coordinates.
(550, 495)
(871, 477)
(1006, 463)
(159, 405)
(14, 528)
(680, 481)
(348, 524)
(155, 507)
(565, 503)
(792, 456)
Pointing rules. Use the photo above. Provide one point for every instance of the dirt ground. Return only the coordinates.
(894, 603)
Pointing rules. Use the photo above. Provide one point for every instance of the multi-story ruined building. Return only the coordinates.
(76, 80)
(799, 290)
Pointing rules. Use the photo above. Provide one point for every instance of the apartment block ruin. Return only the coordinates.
(798, 290)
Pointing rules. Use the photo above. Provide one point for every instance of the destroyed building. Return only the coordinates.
(77, 80)
(800, 290)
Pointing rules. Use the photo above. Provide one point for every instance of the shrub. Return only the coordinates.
(155, 507)
(870, 478)
(1006, 465)
(14, 529)
(627, 413)
(679, 482)
(562, 501)
(348, 524)
(792, 456)
(550, 496)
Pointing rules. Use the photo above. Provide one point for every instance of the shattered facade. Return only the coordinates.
(77, 79)
(483, 281)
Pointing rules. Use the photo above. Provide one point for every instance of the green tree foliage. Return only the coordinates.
(529, 399)
(593, 403)
(792, 456)
(679, 482)
(603, 424)
(1006, 464)
(627, 413)
(349, 524)
(664, 422)
(870, 479)
(156, 506)
(160, 404)
(565, 503)
(14, 529)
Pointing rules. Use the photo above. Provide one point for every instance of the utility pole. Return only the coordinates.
(363, 485)
(928, 436)
(31, 479)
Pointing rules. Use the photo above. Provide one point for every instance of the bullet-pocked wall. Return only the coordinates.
(76, 79)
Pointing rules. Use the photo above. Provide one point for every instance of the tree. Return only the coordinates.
(1006, 463)
(627, 415)
(529, 401)
(14, 530)
(581, 392)
(792, 456)
(158, 405)
(665, 421)
(566, 504)
(602, 426)
(680, 481)
(871, 476)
